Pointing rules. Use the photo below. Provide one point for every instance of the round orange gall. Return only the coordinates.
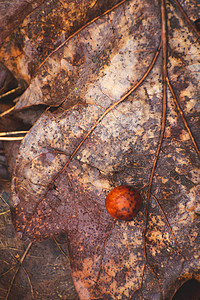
(123, 202)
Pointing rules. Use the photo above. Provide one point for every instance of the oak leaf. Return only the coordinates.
(113, 126)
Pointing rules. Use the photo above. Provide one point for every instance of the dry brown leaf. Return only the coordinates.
(112, 135)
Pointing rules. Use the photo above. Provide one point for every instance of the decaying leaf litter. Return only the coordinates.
(112, 137)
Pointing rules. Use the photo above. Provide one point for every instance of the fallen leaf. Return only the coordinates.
(12, 13)
(31, 30)
(110, 129)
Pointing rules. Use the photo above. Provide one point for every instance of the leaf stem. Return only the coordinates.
(162, 130)
(79, 30)
(111, 108)
(182, 116)
(191, 25)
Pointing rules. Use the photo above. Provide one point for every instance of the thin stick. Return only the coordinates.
(10, 139)
(12, 132)
(29, 280)
(10, 92)
(4, 200)
(6, 272)
(60, 248)
(7, 111)
(17, 270)
(4, 135)
(4, 212)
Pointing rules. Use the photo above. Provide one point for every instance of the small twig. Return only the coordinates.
(6, 272)
(7, 111)
(61, 250)
(12, 132)
(11, 139)
(29, 280)
(4, 200)
(4, 212)
(10, 92)
(4, 135)
(17, 270)
(27, 275)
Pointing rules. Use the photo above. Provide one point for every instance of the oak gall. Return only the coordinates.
(123, 202)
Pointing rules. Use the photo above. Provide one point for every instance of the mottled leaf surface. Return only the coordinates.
(13, 12)
(32, 29)
(69, 160)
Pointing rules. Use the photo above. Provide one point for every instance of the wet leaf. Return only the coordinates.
(114, 126)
